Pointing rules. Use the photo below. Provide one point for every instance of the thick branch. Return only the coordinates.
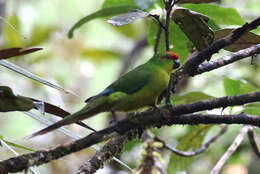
(156, 118)
(208, 66)
(109, 150)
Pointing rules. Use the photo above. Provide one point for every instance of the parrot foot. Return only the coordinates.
(113, 121)
(169, 106)
(154, 108)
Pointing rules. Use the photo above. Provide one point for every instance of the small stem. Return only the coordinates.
(168, 8)
(252, 141)
(198, 151)
(157, 41)
(157, 18)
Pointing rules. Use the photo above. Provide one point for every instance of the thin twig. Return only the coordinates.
(253, 143)
(198, 151)
(157, 40)
(231, 149)
(168, 8)
(157, 18)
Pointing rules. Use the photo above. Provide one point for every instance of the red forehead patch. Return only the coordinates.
(174, 56)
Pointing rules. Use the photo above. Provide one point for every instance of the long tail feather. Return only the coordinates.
(88, 111)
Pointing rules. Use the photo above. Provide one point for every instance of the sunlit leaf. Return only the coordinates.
(127, 17)
(189, 98)
(12, 52)
(105, 12)
(11, 32)
(252, 108)
(113, 3)
(15, 145)
(235, 87)
(40, 34)
(220, 15)
(192, 140)
(246, 40)
(195, 26)
(99, 55)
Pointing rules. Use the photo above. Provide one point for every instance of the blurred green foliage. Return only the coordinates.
(92, 59)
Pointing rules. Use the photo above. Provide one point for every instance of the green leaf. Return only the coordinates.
(152, 34)
(105, 12)
(40, 34)
(112, 3)
(178, 40)
(195, 26)
(11, 32)
(192, 140)
(100, 55)
(18, 146)
(15, 145)
(252, 109)
(235, 87)
(144, 4)
(189, 98)
(131, 144)
(220, 15)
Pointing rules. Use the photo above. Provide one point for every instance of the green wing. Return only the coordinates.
(133, 80)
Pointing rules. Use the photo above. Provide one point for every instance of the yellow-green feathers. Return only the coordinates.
(136, 89)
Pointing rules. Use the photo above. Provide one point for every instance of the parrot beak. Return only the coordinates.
(176, 63)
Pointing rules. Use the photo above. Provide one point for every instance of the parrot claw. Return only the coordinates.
(169, 106)
(113, 121)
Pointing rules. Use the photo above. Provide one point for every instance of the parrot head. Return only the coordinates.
(172, 56)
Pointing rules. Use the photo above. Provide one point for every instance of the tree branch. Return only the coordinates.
(208, 66)
(109, 150)
(191, 65)
(231, 149)
(140, 121)
(252, 141)
(198, 151)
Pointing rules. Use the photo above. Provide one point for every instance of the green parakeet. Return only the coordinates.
(136, 89)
